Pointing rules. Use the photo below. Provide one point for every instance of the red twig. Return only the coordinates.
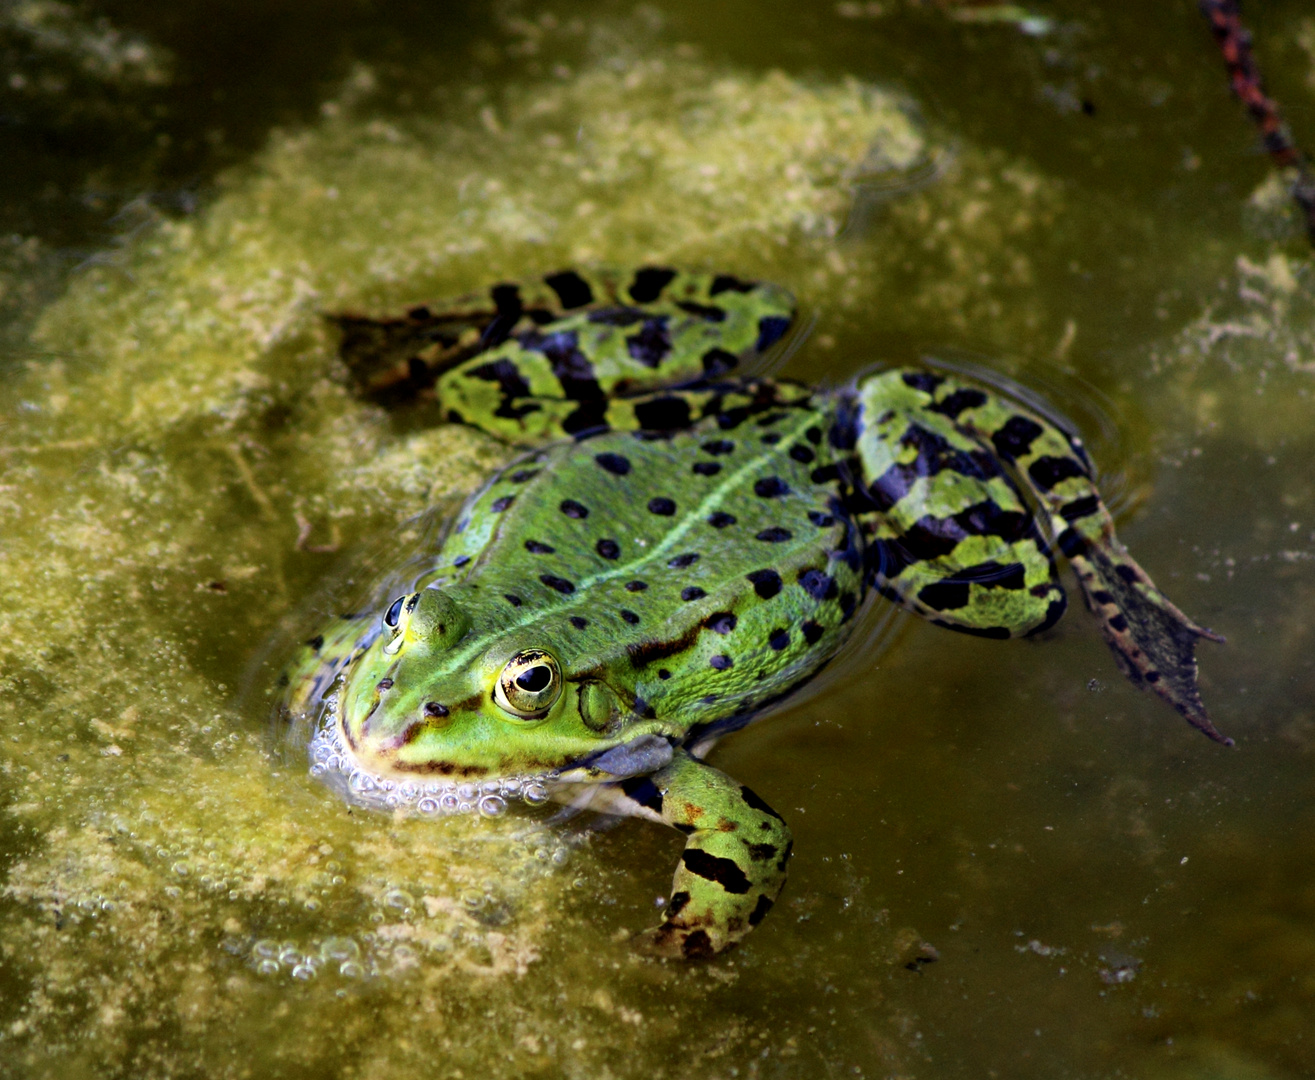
(1244, 75)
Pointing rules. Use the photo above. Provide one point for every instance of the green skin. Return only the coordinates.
(686, 547)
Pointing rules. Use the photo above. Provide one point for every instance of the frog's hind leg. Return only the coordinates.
(734, 863)
(1154, 642)
(948, 535)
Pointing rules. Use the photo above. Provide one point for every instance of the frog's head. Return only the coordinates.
(436, 698)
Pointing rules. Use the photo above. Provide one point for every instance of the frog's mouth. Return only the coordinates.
(333, 763)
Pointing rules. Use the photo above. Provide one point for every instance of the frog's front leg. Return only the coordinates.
(733, 866)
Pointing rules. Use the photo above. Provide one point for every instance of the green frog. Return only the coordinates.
(680, 548)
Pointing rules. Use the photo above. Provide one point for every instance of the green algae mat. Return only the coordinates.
(1008, 861)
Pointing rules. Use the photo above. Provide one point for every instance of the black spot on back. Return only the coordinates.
(779, 638)
(662, 506)
(771, 487)
(818, 585)
(802, 454)
(573, 509)
(721, 622)
(720, 519)
(812, 632)
(957, 402)
(766, 583)
(534, 547)
(613, 463)
(709, 312)
(579, 622)
(512, 599)
(499, 505)
(774, 535)
(558, 584)
(608, 548)
(692, 592)
(922, 380)
(706, 468)
(718, 361)
(1015, 439)
(682, 561)
(720, 662)
(629, 616)
(716, 447)
(1046, 472)
(636, 586)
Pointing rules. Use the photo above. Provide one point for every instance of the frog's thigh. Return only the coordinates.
(734, 863)
(953, 539)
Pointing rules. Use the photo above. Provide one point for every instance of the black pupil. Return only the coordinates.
(535, 679)
(391, 615)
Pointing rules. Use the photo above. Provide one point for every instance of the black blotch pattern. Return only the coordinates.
(1080, 508)
(613, 463)
(958, 401)
(521, 475)
(952, 593)
(643, 791)
(720, 662)
(651, 344)
(770, 487)
(664, 674)
(617, 316)
(720, 519)
(771, 438)
(934, 455)
(629, 616)
(802, 454)
(608, 549)
(922, 380)
(771, 328)
(706, 468)
(766, 583)
(662, 506)
(571, 289)
(316, 643)
(512, 599)
(721, 622)
(825, 474)
(724, 282)
(534, 547)
(573, 509)
(814, 435)
(774, 535)
(636, 586)
(760, 909)
(682, 561)
(844, 428)
(579, 622)
(560, 585)
(692, 592)
(718, 362)
(571, 367)
(717, 447)
(460, 561)
(511, 384)
(499, 505)
(649, 282)
(709, 312)
(752, 800)
(725, 872)
(812, 632)
(698, 946)
(821, 520)
(1046, 472)
(663, 414)
(1015, 439)
(779, 638)
(1119, 624)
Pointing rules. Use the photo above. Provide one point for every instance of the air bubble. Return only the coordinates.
(290, 956)
(399, 899)
(561, 856)
(428, 805)
(339, 949)
(492, 806)
(466, 792)
(265, 949)
(351, 969)
(535, 793)
(267, 967)
(303, 971)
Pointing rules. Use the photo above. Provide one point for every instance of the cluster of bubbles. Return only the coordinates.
(341, 954)
(332, 763)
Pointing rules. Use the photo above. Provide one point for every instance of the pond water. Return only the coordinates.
(187, 484)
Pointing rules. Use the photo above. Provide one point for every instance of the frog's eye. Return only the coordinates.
(529, 684)
(394, 612)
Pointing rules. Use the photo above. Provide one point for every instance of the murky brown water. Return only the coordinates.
(1081, 208)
